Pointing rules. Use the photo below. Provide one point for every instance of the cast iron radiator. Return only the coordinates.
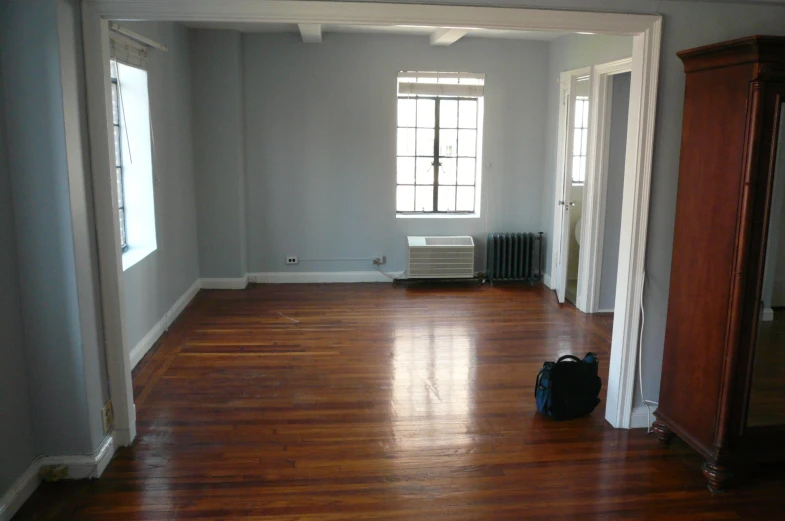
(514, 256)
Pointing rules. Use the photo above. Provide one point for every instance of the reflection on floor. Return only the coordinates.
(365, 401)
(767, 402)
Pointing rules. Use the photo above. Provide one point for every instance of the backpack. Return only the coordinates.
(568, 388)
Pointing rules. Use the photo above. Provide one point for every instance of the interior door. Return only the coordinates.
(564, 201)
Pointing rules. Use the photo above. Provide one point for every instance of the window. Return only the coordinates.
(580, 140)
(439, 143)
(132, 149)
(118, 153)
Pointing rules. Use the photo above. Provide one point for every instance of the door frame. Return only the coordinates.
(595, 186)
(564, 145)
(645, 29)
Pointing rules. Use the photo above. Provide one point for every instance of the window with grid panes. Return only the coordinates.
(580, 140)
(118, 153)
(439, 129)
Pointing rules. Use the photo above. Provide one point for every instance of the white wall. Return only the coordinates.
(320, 145)
(620, 104)
(155, 283)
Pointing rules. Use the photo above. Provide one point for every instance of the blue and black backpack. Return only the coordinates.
(568, 388)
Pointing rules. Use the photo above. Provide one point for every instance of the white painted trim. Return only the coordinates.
(645, 28)
(21, 489)
(226, 283)
(95, 35)
(595, 188)
(81, 466)
(447, 36)
(640, 418)
(767, 315)
(301, 277)
(566, 120)
(634, 225)
(147, 342)
(310, 33)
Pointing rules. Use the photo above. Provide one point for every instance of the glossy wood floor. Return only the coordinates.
(367, 401)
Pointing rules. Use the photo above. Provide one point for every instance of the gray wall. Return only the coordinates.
(320, 145)
(219, 162)
(39, 109)
(155, 283)
(17, 449)
(620, 105)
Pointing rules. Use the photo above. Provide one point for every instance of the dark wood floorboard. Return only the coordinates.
(367, 401)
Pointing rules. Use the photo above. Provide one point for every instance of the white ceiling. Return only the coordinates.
(372, 29)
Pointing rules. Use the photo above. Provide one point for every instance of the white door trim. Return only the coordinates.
(595, 187)
(645, 29)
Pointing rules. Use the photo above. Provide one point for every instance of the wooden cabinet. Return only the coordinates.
(730, 179)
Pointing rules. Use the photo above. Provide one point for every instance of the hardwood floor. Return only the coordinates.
(367, 401)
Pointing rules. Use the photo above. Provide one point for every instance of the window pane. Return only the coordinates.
(446, 198)
(424, 199)
(424, 142)
(586, 113)
(405, 141)
(465, 201)
(120, 196)
(406, 170)
(447, 172)
(407, 113)
(123, 240)
(467, 143)
(113, 69)
(467, 113)
(115, 112)
(426, 113)
(448, 114)
(466, 171)
(578, 113)
(576, 142)
(577, 163)
(448, 140)
(584, 141)
(424, 170)
(117, 156)
(404, 201)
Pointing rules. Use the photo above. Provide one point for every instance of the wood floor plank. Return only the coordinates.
(367, 401)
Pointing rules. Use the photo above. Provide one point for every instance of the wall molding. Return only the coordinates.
(20, 490)
(302, 277)
(147, 342)
(767, 315)
(224, 283)
(80, 466)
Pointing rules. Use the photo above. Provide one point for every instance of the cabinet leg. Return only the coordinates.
(717, 475)
(664, 434)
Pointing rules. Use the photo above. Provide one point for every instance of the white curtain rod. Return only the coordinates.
(137, 37)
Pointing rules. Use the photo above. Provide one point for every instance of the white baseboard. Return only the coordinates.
(81, 466)
(20, 490)
(144, 345)
(641, 418)
(767, 315)
(611, 310)
(546, 279)
(227, 283)
(300, 277)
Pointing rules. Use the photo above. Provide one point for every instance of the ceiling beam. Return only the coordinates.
(311, 33)
(446, 37)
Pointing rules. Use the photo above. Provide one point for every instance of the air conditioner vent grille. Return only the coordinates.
(440, 257)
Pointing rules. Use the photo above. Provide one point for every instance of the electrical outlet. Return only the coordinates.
(380, 260)
(53, 472)
(107, 417)
(292, 259)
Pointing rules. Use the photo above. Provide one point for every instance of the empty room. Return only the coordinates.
(327, 260)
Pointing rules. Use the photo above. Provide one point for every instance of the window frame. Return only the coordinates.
(436, 157)
(117, 126)
(577, 147)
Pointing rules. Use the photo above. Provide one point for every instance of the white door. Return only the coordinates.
(564, 202)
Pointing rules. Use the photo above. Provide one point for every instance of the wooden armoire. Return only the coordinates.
(723, 375)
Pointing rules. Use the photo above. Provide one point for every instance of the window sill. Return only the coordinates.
(132, 256)
(437, 215)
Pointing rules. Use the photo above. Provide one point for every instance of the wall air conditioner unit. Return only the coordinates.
(440, 258)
